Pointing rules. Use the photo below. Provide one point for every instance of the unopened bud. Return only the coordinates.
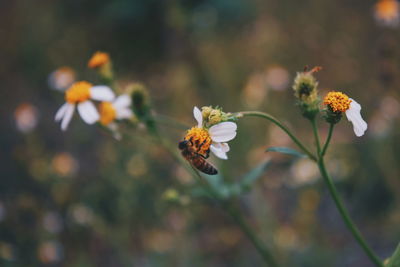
(215, 116)
(306, 91)
(102, 63)
(140, 99)
(205, 111)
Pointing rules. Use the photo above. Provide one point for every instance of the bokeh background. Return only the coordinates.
(81, 198)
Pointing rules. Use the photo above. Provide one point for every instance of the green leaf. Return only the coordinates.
(286, 150)
(394, 260)
(218, 184)
(253, 175)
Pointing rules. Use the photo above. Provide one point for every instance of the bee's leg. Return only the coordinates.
(202, 143)
(207, 154)
(190, 140)
(201, 155)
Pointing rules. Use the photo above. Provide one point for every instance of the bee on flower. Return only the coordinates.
(80, 95)
(337, 103)
(212, 133)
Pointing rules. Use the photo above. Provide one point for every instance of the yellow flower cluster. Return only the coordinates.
(200, 138)
(78, 92)
(107, 113)
(98, 59)
(337, 101)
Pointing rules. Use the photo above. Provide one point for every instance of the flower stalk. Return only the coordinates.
(226, 205)
(328, 139)
(240, 221)
(280, 125)
(336, 198)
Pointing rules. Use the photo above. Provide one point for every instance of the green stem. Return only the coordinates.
(336, 198)
(316, 136)
(280, 125)
(238, 218)
(328, 139)
(240, 221)
(345, 215)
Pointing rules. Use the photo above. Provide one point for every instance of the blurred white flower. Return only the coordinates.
(119, 109)
(61, 78)
(79, 94)
(26, 117)
(387, 12)
(277, 78)
(81, 214)
(50, 252)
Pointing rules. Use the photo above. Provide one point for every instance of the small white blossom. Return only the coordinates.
(219, 133)
(79, 95)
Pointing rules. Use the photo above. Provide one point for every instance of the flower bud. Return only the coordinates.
(205, 111)
(305, 90)
(212, 116)
(215, 116)
(101, 62)
(140, 99)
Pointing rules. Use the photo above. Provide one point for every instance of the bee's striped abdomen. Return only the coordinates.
(202, 165)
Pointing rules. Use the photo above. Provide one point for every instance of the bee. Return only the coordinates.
(190, 152)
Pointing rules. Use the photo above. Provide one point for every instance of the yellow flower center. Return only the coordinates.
(78, 92)
(107, 113)
(98, 59)
(337, 101)
(200, 139)
(387, 9)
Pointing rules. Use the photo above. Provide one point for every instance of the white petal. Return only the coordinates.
(198, 116)
(217, 149)
(353, 114)
(61, 112)
(123, 113)
(223, 132)
(88, 112)
(225, 147)
(102, 93)
(122, 101)
(69, 112)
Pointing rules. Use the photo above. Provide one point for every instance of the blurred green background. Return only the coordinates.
(81, 198)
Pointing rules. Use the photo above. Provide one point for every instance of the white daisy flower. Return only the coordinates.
(119, 109)
(213, 138)
(339, 102)
(80, 94)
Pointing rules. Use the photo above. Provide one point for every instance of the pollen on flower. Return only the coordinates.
(200, 139)
(78, 92)
(98, 59)
(107, 113)
(337, 101)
